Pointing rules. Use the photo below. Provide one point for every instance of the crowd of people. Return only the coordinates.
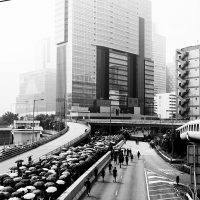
(119, 157)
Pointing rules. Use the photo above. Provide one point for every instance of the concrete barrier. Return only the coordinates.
(78, 188)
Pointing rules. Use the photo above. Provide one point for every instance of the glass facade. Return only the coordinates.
(118, 78)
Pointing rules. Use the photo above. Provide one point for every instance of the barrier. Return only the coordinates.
(78, 188)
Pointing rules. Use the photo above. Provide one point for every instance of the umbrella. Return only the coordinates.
(19, 185)
(62, 177)
(51, 189)
(12, 175)
(14, 198)
(14, 168)
(42, 173)
(8, 182)
(39, 184)
(48, 184)
(52, 171)
(6, 195)
(65, 173)
(37, 191)
(32, 168)
(16, 194)
(17, 179)
(20, 160)
(22, 167)
(22, 190)
(8, 189)
(60, 182)
(29, 196)
(45, 169)
(1, 187)
(30, 187)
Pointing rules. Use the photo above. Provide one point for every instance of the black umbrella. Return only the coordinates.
(8, 189)
(8, 182)
(19, 185)
(39, 184)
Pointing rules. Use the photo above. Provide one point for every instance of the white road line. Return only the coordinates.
(145, 172)
(161, 189)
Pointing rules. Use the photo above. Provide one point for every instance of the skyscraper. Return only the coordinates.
(171, 77)
(187, 82)
(101, 51)
(159, 57)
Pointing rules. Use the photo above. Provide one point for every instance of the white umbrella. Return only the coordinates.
(30, 187)
(1, 187)
(60, 182)
(45, 169)
(29, 196)
(14, 198)
(51, 189)
(52, 171)
(22, 167)
(12, 175)
(22, 190)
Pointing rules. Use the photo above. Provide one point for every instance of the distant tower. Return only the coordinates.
(171, 77)
(159, 57)
(188, 82)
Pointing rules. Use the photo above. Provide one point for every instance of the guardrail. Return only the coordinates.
(71, 143)
(77, 188)
(19, 150)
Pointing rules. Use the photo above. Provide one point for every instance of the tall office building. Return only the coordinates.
(101, 51)
(38, 84)
(159, 57)
(171, 77)
(188, 82)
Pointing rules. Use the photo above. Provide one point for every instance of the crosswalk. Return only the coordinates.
(160, 187)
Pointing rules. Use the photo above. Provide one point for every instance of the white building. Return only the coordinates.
(188, 82)
(159, 57)
(98, 44)
(165, 105)
(23, 132)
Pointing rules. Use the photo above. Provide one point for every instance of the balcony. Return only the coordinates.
(183, 94)
(183, 83)
(184, 55)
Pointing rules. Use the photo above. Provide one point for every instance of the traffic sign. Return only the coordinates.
(190, 155)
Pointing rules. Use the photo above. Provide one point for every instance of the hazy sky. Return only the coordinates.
(24, 22)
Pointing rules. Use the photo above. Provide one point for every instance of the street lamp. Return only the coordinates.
(34, 111)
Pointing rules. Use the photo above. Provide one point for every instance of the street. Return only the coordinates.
(149, 177)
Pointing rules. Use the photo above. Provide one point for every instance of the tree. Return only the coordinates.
(9, 117)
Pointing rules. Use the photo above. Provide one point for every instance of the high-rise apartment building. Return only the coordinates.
(159, 57)
(188, 82)
(101, 51)
(165, 105)
(171, 77)
(38, 84)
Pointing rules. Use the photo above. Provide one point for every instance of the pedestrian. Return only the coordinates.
(110, 167)
(88, 186)
(126, 160)
(114, 174)
(115, 158)
(124, 150)
(138, 155)
(177, 180)
(131, 157)
(103, 174)
(96, 172)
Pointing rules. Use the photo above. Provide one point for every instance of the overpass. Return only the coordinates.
(138, 122)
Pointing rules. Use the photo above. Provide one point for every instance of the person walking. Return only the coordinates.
(103, 174)
(126, 160)
(88, 186)
(110, 167)
(114, 174)
(96, 172)
(131, 157)
(138, 155)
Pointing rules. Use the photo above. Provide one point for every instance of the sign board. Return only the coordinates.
(197, 171)
(132, 102)
(190, 155)
(136, 110)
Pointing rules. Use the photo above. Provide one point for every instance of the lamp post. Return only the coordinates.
(34, 112)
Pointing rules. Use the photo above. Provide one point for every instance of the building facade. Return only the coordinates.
(171, 77)
(39, 84)
(188, 82)
(165, 105)
(159, 57)
(101, 52)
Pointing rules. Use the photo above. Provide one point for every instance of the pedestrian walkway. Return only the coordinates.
(160, 187)
(75, 130)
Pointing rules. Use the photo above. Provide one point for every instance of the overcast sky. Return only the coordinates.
(24, 22)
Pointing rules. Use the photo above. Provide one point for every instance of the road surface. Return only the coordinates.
(147, 178)
(75, 130)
